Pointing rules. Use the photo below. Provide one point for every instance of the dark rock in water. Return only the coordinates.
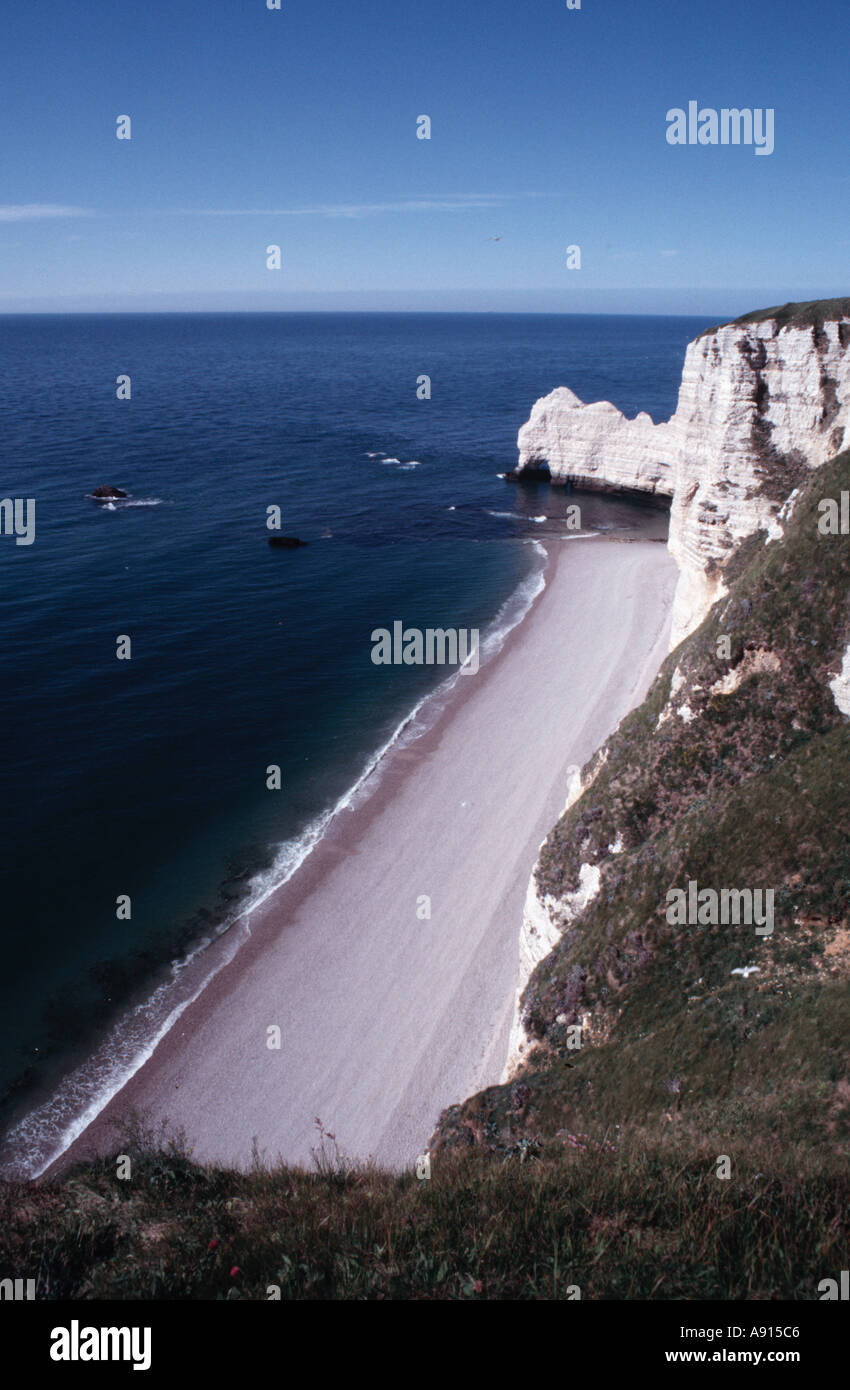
(106, 492)
(286, 542)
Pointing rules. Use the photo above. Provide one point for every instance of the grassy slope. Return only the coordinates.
(808, 313)
(621, 1222)
(754, 792)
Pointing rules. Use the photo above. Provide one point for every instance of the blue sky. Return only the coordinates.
(298, 127)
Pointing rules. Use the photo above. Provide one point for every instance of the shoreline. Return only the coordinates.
(385, 1023)
(67, 1107)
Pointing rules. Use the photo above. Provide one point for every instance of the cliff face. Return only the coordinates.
(731, 775)
(762, 403)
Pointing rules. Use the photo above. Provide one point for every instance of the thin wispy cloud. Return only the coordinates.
(33, 212)
(450, 203)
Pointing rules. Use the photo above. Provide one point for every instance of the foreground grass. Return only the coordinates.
(613, 1221)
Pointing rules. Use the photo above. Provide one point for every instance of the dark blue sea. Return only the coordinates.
(147, 777)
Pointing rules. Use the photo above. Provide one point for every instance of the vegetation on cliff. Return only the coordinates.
(733, 774)
(804, 313)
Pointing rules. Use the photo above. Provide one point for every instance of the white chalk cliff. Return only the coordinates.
(759, 404)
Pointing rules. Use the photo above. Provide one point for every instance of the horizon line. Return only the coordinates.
(517, 313)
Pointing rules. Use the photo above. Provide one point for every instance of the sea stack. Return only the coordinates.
(763, 402)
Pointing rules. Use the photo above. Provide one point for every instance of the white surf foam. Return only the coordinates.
(123, 504)
(44, 1134)
(518, 516)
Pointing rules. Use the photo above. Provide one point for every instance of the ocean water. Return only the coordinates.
(147, 777)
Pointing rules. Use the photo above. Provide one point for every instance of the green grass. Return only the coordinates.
(809, 313)
(754, 792)
(619, 1221)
